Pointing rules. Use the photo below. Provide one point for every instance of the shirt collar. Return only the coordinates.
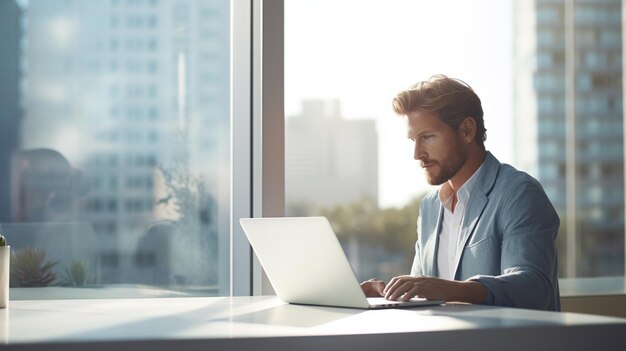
(463, 194)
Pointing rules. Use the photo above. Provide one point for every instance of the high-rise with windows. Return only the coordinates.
(569, 123)
(135, 93)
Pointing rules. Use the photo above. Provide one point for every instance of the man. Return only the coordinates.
(487, 234)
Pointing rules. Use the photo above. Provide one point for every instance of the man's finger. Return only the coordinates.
(398, 291)
(395, 281)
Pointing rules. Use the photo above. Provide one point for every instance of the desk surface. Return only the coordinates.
(265, 322)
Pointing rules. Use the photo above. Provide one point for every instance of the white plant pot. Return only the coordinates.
(5, 262)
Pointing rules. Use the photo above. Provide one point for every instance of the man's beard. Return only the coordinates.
(447, 168)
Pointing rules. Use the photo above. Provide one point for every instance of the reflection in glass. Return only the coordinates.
(124, 131)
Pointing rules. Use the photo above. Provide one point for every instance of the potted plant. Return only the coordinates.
(75, 274)
(5, 262)
(31, 269)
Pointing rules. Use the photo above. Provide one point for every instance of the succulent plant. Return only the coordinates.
(75, 274)
(30, 269)
(3, 240)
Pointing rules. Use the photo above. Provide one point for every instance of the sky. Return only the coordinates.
(363, 52)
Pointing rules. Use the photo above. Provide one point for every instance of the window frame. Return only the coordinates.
(258, 170)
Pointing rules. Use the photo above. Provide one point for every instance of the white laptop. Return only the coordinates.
(305, 264)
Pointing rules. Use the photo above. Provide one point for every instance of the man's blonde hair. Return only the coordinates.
(452, 100)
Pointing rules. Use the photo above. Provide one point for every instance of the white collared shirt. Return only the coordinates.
(451, 227)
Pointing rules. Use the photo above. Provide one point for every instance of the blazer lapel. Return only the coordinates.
(476, 204)
(429, 263)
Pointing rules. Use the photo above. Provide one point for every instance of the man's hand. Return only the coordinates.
(373, 288)
(406, 287)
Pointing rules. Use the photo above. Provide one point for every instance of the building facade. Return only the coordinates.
(135, 94)
(329, 160)
(10, 109)
(569, 123)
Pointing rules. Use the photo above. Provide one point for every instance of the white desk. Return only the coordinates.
(265, 323)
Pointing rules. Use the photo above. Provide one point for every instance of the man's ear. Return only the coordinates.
(467, 129)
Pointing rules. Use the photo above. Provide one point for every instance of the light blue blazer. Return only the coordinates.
(507, 241)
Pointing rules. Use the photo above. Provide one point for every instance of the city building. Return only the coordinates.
(10, 109)
(329, 160)
(569, 123)
(136, 95)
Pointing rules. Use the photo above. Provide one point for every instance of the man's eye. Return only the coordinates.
(427, 137)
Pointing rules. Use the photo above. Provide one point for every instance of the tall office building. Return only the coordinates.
(329, 160)
(569, 123)
(10, 109)
(135, 93)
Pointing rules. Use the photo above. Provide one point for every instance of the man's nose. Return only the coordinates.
(418, 152)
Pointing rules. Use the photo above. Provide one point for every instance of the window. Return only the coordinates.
(346, 157)
(67, 69)
(116, 175)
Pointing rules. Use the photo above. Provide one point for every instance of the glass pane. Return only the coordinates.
(347, 155)
(115, 147)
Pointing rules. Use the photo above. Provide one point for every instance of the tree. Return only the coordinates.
(391, 228)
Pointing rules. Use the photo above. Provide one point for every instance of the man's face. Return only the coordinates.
(437, 147)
